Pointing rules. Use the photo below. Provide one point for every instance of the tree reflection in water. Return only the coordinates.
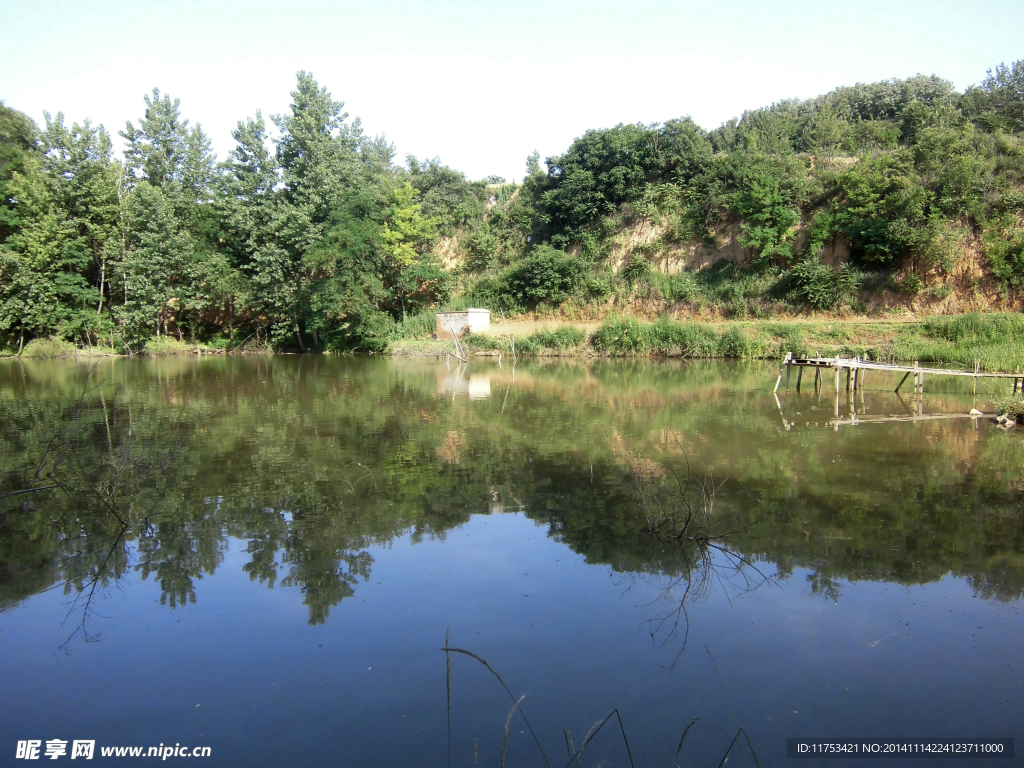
(156, 467)
(680, 514)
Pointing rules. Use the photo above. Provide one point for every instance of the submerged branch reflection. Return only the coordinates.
(681, 516)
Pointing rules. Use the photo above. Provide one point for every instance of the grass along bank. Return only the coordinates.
(997, 340)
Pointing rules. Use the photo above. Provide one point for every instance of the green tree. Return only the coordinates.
(1004, 87)
(163, 151)
(445, 194)
(155, 266)
(770, 218)
(84, 180)
(347, 293)
(405, 232)
(55, 264)
(169, 175)
(318, 160)
(548, 275)
(18, 139)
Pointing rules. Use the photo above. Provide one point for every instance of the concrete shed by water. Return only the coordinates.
(460, 323)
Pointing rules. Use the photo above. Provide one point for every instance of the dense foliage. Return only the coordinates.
(311, 239)
(314, 238)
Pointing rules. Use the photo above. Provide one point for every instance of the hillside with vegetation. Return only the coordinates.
(905, 196)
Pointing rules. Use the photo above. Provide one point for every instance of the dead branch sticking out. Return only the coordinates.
(680, 512)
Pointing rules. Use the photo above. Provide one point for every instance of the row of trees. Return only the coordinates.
(309, 235)
(313, 236)
(903, 170)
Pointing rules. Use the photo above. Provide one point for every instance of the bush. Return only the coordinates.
(49, 349)
(1006, 257)
(548, 275)
(677, 288)
(911, 284)
(599, 289)
(422, 325)
(628, 336)
(686, 339)
(824, 287)
(619, 336)
(636, 269)
(1012, 407)
(485, 342)
(565, 337)
(527, 346)
(734, 343)
(164, 346)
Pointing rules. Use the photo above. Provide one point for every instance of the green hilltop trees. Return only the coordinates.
(314, 238)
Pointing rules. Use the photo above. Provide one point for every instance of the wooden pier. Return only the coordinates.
(856, 368)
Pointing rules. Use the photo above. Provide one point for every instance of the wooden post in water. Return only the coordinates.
(785, 367)
(839, 381)
(799, 377)
(905, 375)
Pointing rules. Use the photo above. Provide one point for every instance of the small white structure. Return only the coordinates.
(460, 323)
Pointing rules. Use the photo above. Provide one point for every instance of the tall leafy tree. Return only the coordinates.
(1005, 88)
(165, 152)
(154, 266)
(169, 173)
(347, 298)
(84, 179)
(54, 265)
(318, 159)
(18, 139)
(404, 234)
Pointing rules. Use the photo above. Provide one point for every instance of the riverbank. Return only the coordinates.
(993, 339)
(55, 348)
(996, 340)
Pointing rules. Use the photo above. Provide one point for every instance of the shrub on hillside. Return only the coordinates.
(823, 286)
(547, 275)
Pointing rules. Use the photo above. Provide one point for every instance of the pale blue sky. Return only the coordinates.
(482, 84)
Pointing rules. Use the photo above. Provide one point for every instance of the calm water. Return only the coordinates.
(301, 535)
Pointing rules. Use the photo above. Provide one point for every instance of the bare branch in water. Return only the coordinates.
(680, 513)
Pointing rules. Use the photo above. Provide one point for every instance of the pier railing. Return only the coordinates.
(856, 368)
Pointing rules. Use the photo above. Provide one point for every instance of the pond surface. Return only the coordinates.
(267, 556)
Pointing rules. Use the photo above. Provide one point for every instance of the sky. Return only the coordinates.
(482, 84)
